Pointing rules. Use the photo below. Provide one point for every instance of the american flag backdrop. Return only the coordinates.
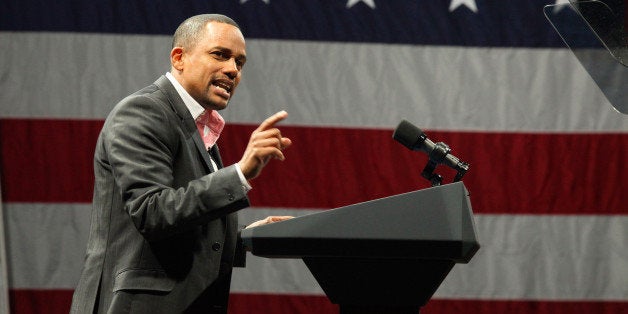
(492, 79)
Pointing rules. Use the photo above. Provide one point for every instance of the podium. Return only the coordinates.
(387, 255)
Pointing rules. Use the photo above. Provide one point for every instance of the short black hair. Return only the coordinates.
(188, 32)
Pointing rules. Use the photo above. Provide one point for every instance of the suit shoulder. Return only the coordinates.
(149, 100)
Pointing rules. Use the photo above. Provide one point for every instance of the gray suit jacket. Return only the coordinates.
(163, 227)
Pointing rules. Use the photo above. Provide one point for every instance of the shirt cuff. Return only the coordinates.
(245, 184)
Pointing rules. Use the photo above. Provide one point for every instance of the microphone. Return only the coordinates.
(413, 138)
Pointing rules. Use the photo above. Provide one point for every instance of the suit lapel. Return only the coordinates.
(189, 126)
(188, 123)
(200, 146)
(215, 153)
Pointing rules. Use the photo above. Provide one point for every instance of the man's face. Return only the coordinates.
(211, 70)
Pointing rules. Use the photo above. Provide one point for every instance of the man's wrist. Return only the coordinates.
(245, 184)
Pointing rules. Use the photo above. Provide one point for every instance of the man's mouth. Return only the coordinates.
(223, 87)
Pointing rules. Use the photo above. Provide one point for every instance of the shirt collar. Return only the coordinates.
(193, 106)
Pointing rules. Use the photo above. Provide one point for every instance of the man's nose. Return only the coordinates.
(231, 68)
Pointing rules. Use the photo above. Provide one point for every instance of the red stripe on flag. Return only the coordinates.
(48, 160)
(510, 172)
(523, 307)
(273, 304)
(514, 173)
(59, 301)
(31, 301)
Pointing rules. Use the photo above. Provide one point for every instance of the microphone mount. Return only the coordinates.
(438, 153)
(437, 156)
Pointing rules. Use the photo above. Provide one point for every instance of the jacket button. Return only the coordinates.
(231, 197)
(216, 246)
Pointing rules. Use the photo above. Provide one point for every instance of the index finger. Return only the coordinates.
(272, 120)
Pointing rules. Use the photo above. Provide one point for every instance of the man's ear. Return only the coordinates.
(176, 58)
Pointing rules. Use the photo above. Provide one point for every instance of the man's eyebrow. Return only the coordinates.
(241, 57)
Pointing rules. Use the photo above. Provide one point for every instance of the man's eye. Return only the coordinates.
(220, 55)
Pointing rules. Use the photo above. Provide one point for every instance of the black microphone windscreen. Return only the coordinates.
(408, 134)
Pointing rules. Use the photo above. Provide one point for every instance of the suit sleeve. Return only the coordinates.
(239, 259)
(164, 193)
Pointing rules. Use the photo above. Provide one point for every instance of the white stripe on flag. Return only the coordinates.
(331, 84)
(544, 257)
(4, 279)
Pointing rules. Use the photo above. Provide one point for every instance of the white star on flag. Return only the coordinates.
(557, 7)
(265, 1)
(370, 3)
(468, 3)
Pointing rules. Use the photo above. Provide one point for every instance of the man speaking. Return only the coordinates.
(163, 225)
